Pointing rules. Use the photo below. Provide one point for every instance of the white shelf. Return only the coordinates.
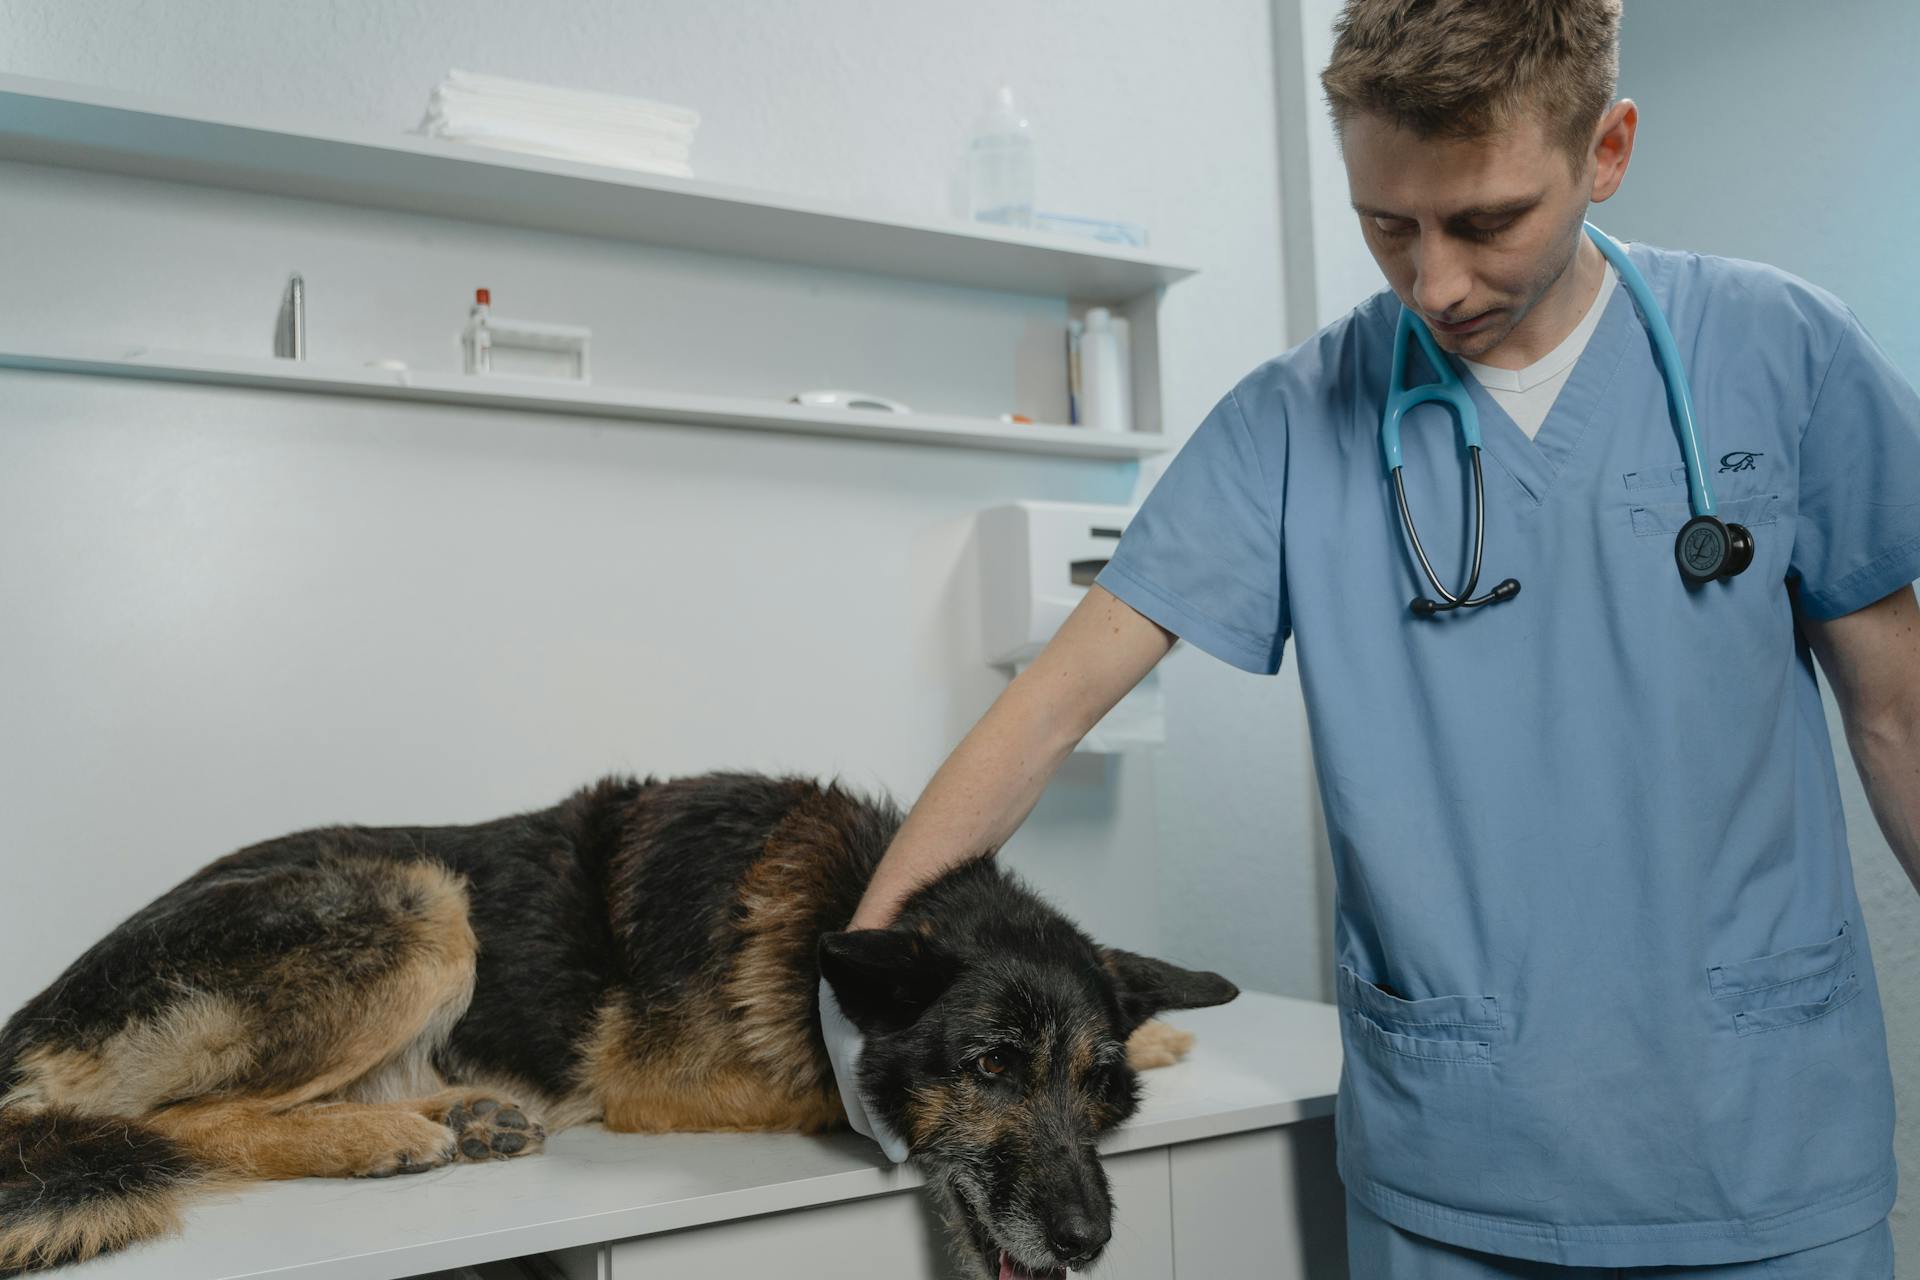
(1257, 1062)
(548, 396)
(94, 127)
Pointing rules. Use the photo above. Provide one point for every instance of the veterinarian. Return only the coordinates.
(1606, 995)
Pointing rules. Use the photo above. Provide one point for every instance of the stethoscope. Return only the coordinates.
(1705, 548)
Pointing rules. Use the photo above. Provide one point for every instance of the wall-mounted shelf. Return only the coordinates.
(542, 395)
(93, 127)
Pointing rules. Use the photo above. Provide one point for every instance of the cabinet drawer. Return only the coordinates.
(1266, 1203)
(893, 1235)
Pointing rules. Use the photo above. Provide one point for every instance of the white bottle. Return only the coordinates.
(1105, 404)
(476, 340)
(1000, 165)
(1123, 373)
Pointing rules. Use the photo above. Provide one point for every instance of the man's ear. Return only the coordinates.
(884, 979)
(1146, 986)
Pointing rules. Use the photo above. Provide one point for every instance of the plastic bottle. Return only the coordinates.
(1000, 164)
(476, 340)
(1104, 401)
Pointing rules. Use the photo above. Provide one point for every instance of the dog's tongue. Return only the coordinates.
(1011, 1270)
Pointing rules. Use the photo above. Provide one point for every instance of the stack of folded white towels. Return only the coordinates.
(573, 124)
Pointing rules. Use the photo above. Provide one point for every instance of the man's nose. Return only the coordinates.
(1441, 281)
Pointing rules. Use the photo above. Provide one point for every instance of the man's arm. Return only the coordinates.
(986, 788)
(1872, 660)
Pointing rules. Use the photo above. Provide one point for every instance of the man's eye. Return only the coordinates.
(1392, 226)
(991, 1064)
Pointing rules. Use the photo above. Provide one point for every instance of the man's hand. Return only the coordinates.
(1871, 657)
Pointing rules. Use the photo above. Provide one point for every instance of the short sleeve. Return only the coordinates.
(1858, 532)
(1202, 555)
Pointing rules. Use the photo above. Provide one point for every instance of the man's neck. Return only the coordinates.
(1557, 314)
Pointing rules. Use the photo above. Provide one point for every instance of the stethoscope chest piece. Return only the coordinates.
(1706, 549)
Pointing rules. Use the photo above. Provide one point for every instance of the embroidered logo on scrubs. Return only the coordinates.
(1737, 461)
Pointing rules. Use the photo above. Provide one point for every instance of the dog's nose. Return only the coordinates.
(1076, 1237)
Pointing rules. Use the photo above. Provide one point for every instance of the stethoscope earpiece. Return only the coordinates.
(1425, 608)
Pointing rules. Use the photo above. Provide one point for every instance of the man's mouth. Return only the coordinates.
(1465, 326)
(1011, 1270)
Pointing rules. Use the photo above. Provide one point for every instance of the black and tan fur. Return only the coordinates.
(356, 1001)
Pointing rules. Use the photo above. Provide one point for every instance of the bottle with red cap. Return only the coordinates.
(477, 339)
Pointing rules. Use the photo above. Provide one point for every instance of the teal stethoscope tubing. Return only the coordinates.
(1450, 391)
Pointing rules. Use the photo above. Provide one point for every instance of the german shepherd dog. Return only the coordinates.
(362, 1001)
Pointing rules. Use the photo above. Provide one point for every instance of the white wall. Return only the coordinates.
(229, 614)
(1328, 268)
(1791, 142)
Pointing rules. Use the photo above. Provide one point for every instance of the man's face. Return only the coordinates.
(1474, 231)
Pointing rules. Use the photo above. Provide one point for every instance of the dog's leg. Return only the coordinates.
(693, 1080)
(721, 1100)
(287, 1026)
(291, 1086)
(350, 1139)
(314, 1140)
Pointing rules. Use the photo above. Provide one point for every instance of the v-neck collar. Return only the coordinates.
(1536, 462)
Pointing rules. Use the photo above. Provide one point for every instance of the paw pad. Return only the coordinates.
(488, 1129)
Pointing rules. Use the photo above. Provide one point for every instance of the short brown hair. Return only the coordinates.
(1468, 68)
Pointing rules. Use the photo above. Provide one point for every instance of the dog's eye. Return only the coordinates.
(991, 1064)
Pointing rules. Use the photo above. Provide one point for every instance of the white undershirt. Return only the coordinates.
(1528, 394)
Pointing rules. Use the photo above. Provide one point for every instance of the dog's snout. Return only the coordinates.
(1075, 1236)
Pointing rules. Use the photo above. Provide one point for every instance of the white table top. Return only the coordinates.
(1259, 1061)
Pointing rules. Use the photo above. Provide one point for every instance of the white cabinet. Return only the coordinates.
(896, 1235)
(1267, 1203)
(1264, 1203)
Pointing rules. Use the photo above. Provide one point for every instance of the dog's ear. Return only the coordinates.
(884, 979)
(1146, 986)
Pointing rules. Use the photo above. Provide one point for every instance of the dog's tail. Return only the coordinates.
(72, 1186)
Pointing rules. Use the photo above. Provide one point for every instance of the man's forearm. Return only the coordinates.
(979, 797)
(1887, 754)
(1871, 658)
(986, 788)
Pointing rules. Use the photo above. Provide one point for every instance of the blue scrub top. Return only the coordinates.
(1605, 990)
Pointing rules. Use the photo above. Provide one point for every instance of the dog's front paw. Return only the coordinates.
(416, 1145)
(489, 1129)
(1156, 1044)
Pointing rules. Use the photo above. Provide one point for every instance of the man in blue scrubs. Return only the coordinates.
(1605, 988)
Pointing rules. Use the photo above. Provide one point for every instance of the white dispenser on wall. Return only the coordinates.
(1037, 560)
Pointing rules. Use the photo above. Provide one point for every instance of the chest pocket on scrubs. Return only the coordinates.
(1657, 500)
(1667, 517)
(1787, 987)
